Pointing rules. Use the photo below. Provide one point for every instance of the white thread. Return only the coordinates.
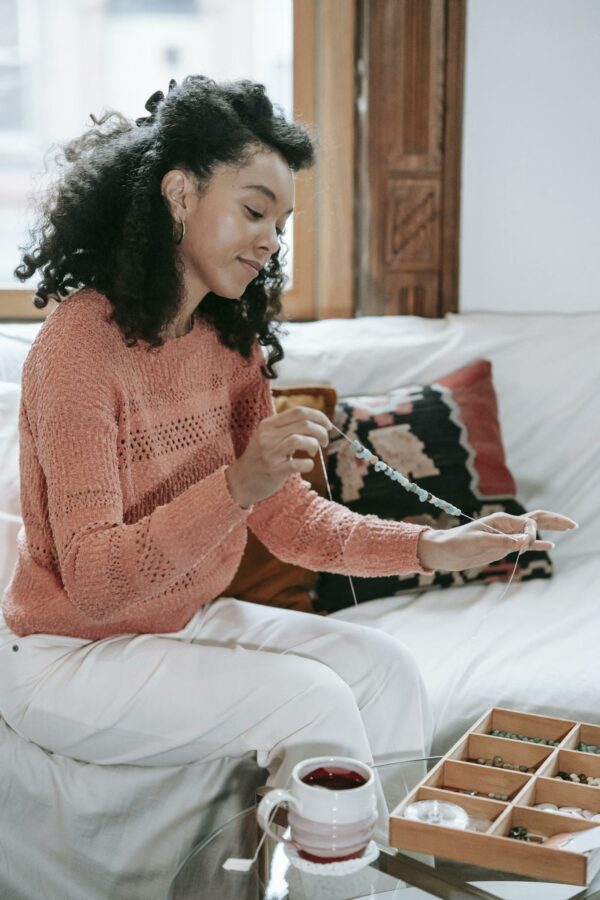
(502, 596)
(373, 670)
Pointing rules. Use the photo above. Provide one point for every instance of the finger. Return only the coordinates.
(303, 413)
(552, 521)
(524, 543)
(309, 429)
(510, 524)
(295, 443)
(542, 545)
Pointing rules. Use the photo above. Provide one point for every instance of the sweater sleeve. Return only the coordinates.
(105, 564)
(301, 527)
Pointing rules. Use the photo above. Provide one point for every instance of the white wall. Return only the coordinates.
(530, 209)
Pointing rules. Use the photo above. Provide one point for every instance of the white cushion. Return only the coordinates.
(15, 341)
(10, 508)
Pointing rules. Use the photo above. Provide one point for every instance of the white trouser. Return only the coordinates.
(237, 678)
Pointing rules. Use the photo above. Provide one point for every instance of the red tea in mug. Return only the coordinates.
(334, 779)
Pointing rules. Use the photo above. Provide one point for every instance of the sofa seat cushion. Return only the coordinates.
(532, 647)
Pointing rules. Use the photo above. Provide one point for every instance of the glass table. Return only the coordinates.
(396, 874)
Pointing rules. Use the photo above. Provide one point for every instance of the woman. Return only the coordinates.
(149, 444)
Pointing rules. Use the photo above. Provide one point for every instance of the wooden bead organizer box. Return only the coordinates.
(469, 766)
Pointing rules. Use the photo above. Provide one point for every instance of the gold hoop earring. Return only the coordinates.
(178, 240)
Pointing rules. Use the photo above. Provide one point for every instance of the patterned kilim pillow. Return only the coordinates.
(446, 437)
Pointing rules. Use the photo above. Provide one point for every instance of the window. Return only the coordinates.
(47, 95)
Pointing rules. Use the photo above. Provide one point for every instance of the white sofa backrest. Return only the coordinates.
(546, 371)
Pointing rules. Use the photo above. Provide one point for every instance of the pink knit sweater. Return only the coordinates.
(129, 525)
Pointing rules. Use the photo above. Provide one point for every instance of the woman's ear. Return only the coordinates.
(176, 188)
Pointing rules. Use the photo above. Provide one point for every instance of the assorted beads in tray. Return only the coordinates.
(520, 785)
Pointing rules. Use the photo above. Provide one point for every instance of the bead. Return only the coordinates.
(547, 807)
(380, 466)
(588, 813)
(373, 459)
(570, 811)
(421, 494)
(355, 446)
(481, 761)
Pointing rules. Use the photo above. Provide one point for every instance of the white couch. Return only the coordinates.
(123, 829)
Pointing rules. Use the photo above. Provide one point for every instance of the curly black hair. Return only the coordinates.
(106, 225)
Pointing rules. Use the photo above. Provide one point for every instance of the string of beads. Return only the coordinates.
(425, 496)
(362, 453)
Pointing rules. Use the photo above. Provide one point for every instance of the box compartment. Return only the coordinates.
(586, 734)
(477, 807)
(561, 793)
(529, 724)
(572, 761)
(484, 746)
(463, 776)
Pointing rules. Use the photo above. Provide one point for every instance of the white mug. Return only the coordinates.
(330, 818)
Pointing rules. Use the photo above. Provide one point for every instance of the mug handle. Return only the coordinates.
(267, 806)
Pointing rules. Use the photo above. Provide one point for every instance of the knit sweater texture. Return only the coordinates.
(128, 522)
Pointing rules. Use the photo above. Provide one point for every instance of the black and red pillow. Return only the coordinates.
(446, 437)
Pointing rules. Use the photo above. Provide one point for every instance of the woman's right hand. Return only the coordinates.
(268, 460)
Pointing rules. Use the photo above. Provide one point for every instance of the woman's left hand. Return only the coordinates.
(474, 544)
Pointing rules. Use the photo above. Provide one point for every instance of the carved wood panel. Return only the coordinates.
(409, 124)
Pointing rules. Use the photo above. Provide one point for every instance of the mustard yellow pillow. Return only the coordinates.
(261, 577)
